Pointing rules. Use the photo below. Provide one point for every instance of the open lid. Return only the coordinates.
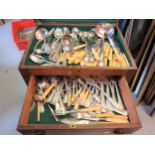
(112, 21)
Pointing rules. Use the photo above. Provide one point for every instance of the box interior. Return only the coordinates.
(47, 117)
(28, 62)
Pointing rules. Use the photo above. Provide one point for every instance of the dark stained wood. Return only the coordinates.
(118, 128)
(128, 101)
(70, 71)
(28, 101)
(46, 129)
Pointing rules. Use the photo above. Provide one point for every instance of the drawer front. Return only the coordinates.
(27, 72)
(28, 68)
(105, 128)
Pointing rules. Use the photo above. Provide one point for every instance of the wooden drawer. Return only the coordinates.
(28, 68)
(120, 128)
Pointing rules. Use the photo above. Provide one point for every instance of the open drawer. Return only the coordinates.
(28, 68)
(28, 124)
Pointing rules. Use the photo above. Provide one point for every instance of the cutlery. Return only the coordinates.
(41, 34)
(39, 59)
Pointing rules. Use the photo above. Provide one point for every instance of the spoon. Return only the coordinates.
(109, 34)
(101, 33)
(75, 30)
(41, 86)
(107, 31)
(66, 42)
(104, 30)
(39, 51)
(41, 34)
(66, 31)
(74, 38)
(38, 59)
(58, 33)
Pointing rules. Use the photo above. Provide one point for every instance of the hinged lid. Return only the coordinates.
(112, 21)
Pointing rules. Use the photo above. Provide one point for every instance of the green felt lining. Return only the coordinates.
(28, 62)
(45, 118)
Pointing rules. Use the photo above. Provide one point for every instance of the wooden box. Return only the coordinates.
(30, 72)
(28, 68)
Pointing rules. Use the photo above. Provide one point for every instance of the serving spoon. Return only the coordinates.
(39, 59)
(41, 34)
(107, 31)
(101, 33)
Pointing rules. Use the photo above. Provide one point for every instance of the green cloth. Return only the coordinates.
(45, 117)
(28, 62)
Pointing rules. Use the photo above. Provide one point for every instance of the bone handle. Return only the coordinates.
(79, 47)
(111, 115)
(69, 98)
(90, 109)
(44, 95)
(116, 120)
(38, 111)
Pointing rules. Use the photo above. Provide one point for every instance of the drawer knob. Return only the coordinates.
(39, 132)
(118, 131)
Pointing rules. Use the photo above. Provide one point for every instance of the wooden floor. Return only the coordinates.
(13, 88)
